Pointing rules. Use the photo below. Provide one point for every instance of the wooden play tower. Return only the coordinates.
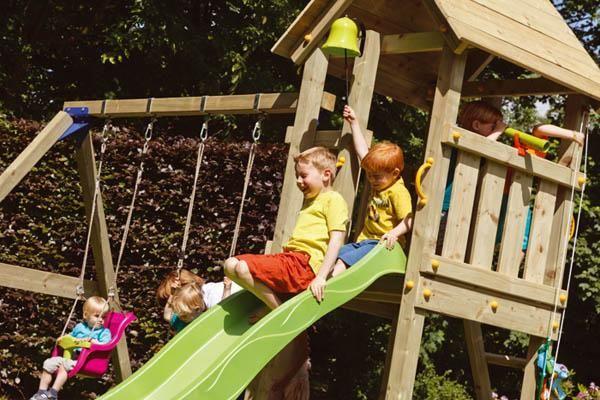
(429, 54)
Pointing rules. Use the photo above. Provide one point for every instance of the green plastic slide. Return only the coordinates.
(216, 356)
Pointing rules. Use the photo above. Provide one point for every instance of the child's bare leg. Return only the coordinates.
(259, 289)
(61, 378)
(45, 380)
(338, 268)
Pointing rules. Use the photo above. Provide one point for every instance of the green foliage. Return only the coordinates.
(431, 386)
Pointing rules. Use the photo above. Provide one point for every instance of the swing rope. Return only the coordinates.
(80, 290)
(574, 246)
(186, 231)
(256, 132)
(112, 291)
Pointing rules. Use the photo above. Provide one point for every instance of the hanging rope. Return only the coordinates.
(574, 246)
(147, 137)
(236, 231)
(186, 231)
(79, 291)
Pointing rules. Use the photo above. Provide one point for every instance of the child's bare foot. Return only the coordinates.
(258, 315)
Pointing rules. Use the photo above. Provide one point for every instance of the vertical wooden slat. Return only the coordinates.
(529, 375)
(461, 206)
(488, 214)
(361, 94)
(100, 243)
(514, 224)
(539, 239)
(302, 137)
(407, 341)
(482, 253)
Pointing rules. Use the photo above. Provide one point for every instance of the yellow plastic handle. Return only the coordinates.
(422, 196)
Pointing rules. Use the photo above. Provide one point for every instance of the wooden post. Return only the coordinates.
(21, 166)
(100, 243)
(361, 95)
(302, 137)
(570, 153)
(410, 321)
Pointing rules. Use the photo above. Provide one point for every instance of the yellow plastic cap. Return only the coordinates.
(427, 294)
(410, 284)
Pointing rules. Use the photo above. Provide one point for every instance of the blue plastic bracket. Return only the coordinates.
(81, 121)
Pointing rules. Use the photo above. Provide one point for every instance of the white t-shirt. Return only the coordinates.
(212, 292)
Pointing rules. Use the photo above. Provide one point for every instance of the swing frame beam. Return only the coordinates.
(54, 284)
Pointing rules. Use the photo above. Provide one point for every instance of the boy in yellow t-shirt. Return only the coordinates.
(390, 209)
(311, 252)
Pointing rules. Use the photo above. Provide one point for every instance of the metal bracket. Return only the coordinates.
(81, 121)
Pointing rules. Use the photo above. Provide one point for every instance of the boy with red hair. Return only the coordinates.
(390, 209)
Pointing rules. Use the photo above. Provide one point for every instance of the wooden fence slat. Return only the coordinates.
(488, 214)
(539, 239)
(517, 208)
(461, 206)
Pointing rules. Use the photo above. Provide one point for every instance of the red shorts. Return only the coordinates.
(287, 272)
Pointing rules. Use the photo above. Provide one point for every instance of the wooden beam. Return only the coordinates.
(360, 98)
(270, 103)
(528, 387)
(514, 88)
(412, 43)
(452, 41)
(476, 64)
(474, 304)
(509, 156)
(382, 310)
(387, 289)
(34, 280)
(21, 166)
(317, 32)
(407, 341)
(485, 279)
(86, 165)
(505, 361)
(303, 137)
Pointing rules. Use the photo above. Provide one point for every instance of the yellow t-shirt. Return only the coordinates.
(318, 216)
(386, 209)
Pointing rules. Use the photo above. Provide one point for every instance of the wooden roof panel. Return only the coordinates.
(529, 33)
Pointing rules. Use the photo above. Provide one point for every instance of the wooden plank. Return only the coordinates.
(452, 41)
(294, 34)
(86, 165)
(461, 206)
(360, 97)
(30, 156)
(318, 30)
(550, 24)
(487, 216)
(385, 377)
(382, 310)
(576, 117)
(270, 103)
(575, 60)
(506, 361)
(514, 88)
(517, 208)
(34, 280)
(303, 137)
(492, 44)
(474, 304)
(528, 388)
(541, 227)
(507, 155)
(477, 276)
(412, 43)
(405, 353)
(476, 64)
(455, 246)
(379, 14)
(387, 289)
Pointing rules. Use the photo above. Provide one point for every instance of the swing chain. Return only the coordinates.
(148, 135)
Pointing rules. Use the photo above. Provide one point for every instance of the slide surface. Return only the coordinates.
(217, 355)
